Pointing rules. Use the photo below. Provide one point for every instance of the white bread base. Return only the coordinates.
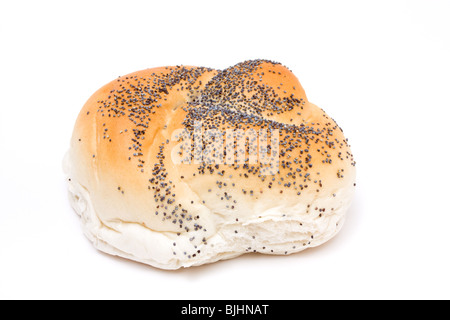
(275, 231)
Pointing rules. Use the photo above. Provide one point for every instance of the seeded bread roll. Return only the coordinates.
(181, 166)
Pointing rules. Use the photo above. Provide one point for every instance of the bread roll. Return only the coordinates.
(181, 166)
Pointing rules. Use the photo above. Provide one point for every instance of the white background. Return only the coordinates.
(380, 68)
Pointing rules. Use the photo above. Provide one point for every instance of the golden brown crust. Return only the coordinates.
(123, 142)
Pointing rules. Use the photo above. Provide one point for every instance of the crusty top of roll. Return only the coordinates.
(123, 142)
